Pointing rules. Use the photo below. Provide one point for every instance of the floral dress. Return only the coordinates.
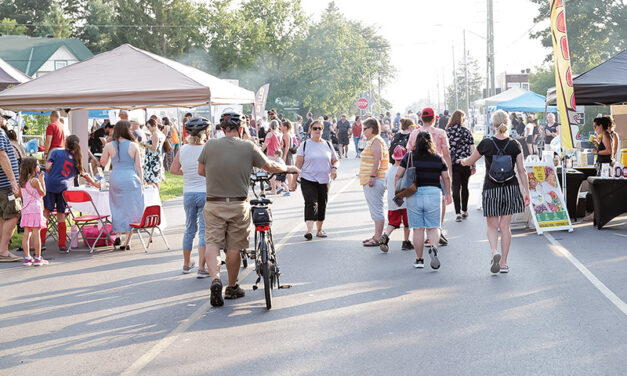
(153, 162)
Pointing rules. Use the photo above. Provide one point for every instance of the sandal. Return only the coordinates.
(372, 243)
(367, 240)
(308, 236)
(321, 234)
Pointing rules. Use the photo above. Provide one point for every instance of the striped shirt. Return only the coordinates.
(429, 168)
(367, 162)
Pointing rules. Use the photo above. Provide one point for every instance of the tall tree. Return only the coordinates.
(475, 81)
(97, 31)
(597, 30)
(10, 27)
(27, 12)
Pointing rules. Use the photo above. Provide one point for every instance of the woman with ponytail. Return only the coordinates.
(62, 166)
(501, 197)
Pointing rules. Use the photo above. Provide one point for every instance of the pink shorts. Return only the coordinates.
(33, 220)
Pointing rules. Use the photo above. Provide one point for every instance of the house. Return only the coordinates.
(36, 56)
(508, 80)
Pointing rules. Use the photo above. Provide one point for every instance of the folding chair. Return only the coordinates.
(75, 197)
(53, 226)
(150, 221)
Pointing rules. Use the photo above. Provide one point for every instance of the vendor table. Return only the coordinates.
(574, 179)
(101, 200)
(588, 170)
(609, 196)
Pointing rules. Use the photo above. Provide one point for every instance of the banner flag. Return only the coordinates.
(563, 75)
(260, 101)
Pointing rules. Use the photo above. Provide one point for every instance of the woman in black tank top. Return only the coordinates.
(605, 144)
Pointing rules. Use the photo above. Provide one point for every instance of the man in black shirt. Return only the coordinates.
(326, 132)
(343, 135)
(444, 120)
(307, 124)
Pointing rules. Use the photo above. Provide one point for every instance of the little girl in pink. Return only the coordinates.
(32, 189)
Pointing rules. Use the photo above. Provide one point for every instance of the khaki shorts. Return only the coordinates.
(227, 224)
(9, 209)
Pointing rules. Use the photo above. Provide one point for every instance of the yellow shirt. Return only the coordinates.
(367, 162)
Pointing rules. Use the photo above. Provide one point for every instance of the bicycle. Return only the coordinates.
(266, 265)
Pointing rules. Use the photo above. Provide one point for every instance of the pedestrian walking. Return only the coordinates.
(501, 196)
(374, 164)
(153, 169)
(357, 133)
(194, 193)
(462, 146)
(318, 163)
(423, 207)
(397, 214)
(32, 189)
(289, 148)
(343, 135)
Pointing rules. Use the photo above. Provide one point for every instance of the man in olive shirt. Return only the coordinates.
(227, 164)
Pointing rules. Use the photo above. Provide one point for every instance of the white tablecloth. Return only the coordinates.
(101, 200)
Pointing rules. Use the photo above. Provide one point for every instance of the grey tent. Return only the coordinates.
(603, 84)
(10, 76)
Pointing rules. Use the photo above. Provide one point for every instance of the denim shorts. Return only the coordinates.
(424, 208)
(193, 203)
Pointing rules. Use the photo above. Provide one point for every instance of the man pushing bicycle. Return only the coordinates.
(226, 164)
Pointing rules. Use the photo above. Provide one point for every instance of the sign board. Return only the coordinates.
(362, 103)
(548, 206)
(579, 118)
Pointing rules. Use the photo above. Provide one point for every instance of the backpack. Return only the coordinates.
(502, 168)
(294, 148)
(399, 139)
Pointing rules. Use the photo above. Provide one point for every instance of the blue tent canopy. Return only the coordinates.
(93, 114)
(528, 102)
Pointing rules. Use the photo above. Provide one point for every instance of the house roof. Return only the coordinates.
(19, 50)
(10, 76)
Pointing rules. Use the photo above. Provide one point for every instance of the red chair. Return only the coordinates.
(150, 221)
(76, 197)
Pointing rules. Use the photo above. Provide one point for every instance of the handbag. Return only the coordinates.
(406, 185)
(167, 145)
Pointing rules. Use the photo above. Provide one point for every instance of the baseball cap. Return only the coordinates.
(399, 153)
(428, 111)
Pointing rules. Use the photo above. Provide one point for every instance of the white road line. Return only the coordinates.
(163, 344)
(591, 277)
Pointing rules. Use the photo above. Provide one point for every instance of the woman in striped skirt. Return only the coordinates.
(501, 199)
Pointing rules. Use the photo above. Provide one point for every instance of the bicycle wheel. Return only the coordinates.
(265, 271)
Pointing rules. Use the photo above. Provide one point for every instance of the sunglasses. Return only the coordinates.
(316, 128)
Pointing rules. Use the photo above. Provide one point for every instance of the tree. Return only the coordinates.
(542, 79)
(97, 32)
(27, 12)
(57, 24)
(10, 27)
(475, 82)
(597, 30)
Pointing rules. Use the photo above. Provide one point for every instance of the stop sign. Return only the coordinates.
(362, 103)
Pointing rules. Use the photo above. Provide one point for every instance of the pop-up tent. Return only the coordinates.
(506, 95)
(528, 102)
(125, 77)
(603, 84)
(10, 75)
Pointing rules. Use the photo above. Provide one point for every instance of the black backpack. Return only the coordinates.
(502, 168)
(399, 139)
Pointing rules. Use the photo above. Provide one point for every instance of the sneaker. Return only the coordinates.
(464, 214)
(383, 243)
(496, 260)
(28, 261)
(279, 190)
(39, 261)
(505, 269)
(433, 254)
(443, 239)
(216, 293)
(458, 218)
(188, 268)
(406, 245)
(63, 250)
(286, 194)
(233, 292)
(202, 273)
(419, 263)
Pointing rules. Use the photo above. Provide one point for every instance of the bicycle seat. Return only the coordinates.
(263, 201)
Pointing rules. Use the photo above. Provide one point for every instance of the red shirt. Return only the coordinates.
(58, 136)
(356, 129)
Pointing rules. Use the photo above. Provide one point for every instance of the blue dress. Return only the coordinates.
(126, 198)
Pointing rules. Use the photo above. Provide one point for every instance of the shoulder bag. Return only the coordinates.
(406, 185)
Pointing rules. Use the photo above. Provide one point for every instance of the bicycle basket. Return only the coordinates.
(261, 216)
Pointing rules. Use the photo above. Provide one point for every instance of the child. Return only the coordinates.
(32, 189)
(62, 166)
(280, 178)
(396, 213)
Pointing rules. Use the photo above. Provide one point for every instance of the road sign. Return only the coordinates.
(362, 103)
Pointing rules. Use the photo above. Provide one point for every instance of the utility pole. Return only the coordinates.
(466, 77)
(438, 93)
(491, 76)
(444, 104)
(455, 80)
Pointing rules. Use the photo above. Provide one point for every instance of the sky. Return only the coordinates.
(423, 34)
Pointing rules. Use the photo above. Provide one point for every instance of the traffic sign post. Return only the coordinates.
(362, 103)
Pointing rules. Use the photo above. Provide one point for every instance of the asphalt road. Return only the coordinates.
(350, 310)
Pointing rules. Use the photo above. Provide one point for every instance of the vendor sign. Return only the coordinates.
(547, 202)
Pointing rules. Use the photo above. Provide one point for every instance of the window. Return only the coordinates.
(58, 64)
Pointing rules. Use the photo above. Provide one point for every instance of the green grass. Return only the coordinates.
(172, 187)
(16, 240)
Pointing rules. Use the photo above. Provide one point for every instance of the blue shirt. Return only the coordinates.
(5, 145)
(62, 171)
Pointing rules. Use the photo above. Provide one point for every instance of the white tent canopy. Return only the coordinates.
(125, 77)
(506, 95)
(10, 75)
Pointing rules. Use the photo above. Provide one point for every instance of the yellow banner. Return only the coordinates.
(563, 74)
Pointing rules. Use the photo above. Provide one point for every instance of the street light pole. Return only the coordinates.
(491, 75)
(466, 77)
(455, 81)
